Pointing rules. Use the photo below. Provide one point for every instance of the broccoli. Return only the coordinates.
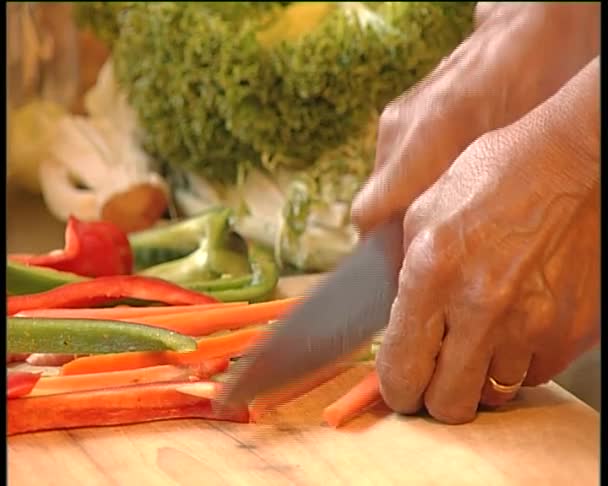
(233, 94)
(219, 83)
(101, 17)
(320, 69)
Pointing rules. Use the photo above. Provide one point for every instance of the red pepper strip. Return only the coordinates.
(102, 290)
(20, 383)
(92, 249)
(113, 406)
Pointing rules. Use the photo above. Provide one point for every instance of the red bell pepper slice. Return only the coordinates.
(102, 290)
(113, 406)
(92, 249)
(20, 383)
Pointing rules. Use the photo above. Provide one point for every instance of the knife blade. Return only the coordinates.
(340, 315)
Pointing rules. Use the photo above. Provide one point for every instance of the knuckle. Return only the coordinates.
(542, 320)
(489, 292)
(427, 251)
(411, 222)
(483, 11)
(421, 252)
(390, 115)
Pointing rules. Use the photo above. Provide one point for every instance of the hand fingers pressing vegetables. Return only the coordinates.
(492, 79)
(500, 279)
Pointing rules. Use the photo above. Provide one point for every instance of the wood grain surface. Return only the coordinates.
(545, 437)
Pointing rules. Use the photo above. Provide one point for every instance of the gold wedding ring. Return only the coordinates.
(499, 387)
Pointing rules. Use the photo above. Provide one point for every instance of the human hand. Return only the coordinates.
(501, 271)
(519, 55)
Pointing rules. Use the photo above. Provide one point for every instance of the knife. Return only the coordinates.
(340, 315)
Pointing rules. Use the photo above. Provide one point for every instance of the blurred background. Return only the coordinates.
(116, 114)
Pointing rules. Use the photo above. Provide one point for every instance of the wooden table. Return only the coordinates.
(546, 437)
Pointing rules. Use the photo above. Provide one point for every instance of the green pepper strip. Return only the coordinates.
(215, 269)
(90, 336)
(23, 279)
(170, 241)
(211, 260)
(263, 280)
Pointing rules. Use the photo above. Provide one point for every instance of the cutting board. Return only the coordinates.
(545, 437)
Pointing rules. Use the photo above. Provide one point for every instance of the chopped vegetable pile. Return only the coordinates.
(152, 345)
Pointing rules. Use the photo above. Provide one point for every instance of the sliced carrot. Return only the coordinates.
(228, 345)
(360, 397)
(100, 363)
(124, 312)
(112, 406)
(268, 402)
(224, 346)
(204, 322)
(93, 381)
(197, 320)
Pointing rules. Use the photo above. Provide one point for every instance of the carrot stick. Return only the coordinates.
(227, 345)
(196, 321)
(124, 312)
(361, 396)
(100, 363)
(265, 403)
(93, 381)
(202, 323)
(112, 406)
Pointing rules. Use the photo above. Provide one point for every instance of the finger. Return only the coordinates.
(454, 392)
(412, 340)
(543, 367)
(409, 158)
(413, 163)
(508, 368)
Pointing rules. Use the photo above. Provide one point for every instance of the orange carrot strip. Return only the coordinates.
(206, 322)
(360, 397)
(93, 381)
(224, 346)
(112, 406)
(265, 403)
(100, 363)
(124, 312)
(228, 345)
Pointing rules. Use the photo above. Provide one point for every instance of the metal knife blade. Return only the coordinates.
(340, 315)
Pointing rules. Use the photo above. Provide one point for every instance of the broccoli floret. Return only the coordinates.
(166, 57)
(310, 79)
(103, 18)
(218, 84)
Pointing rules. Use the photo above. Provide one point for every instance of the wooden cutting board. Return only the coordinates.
(545, 437)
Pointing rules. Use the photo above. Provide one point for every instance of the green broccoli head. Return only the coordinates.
(219, 84)
(103, 18)
(166, 58)
(299, 85)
